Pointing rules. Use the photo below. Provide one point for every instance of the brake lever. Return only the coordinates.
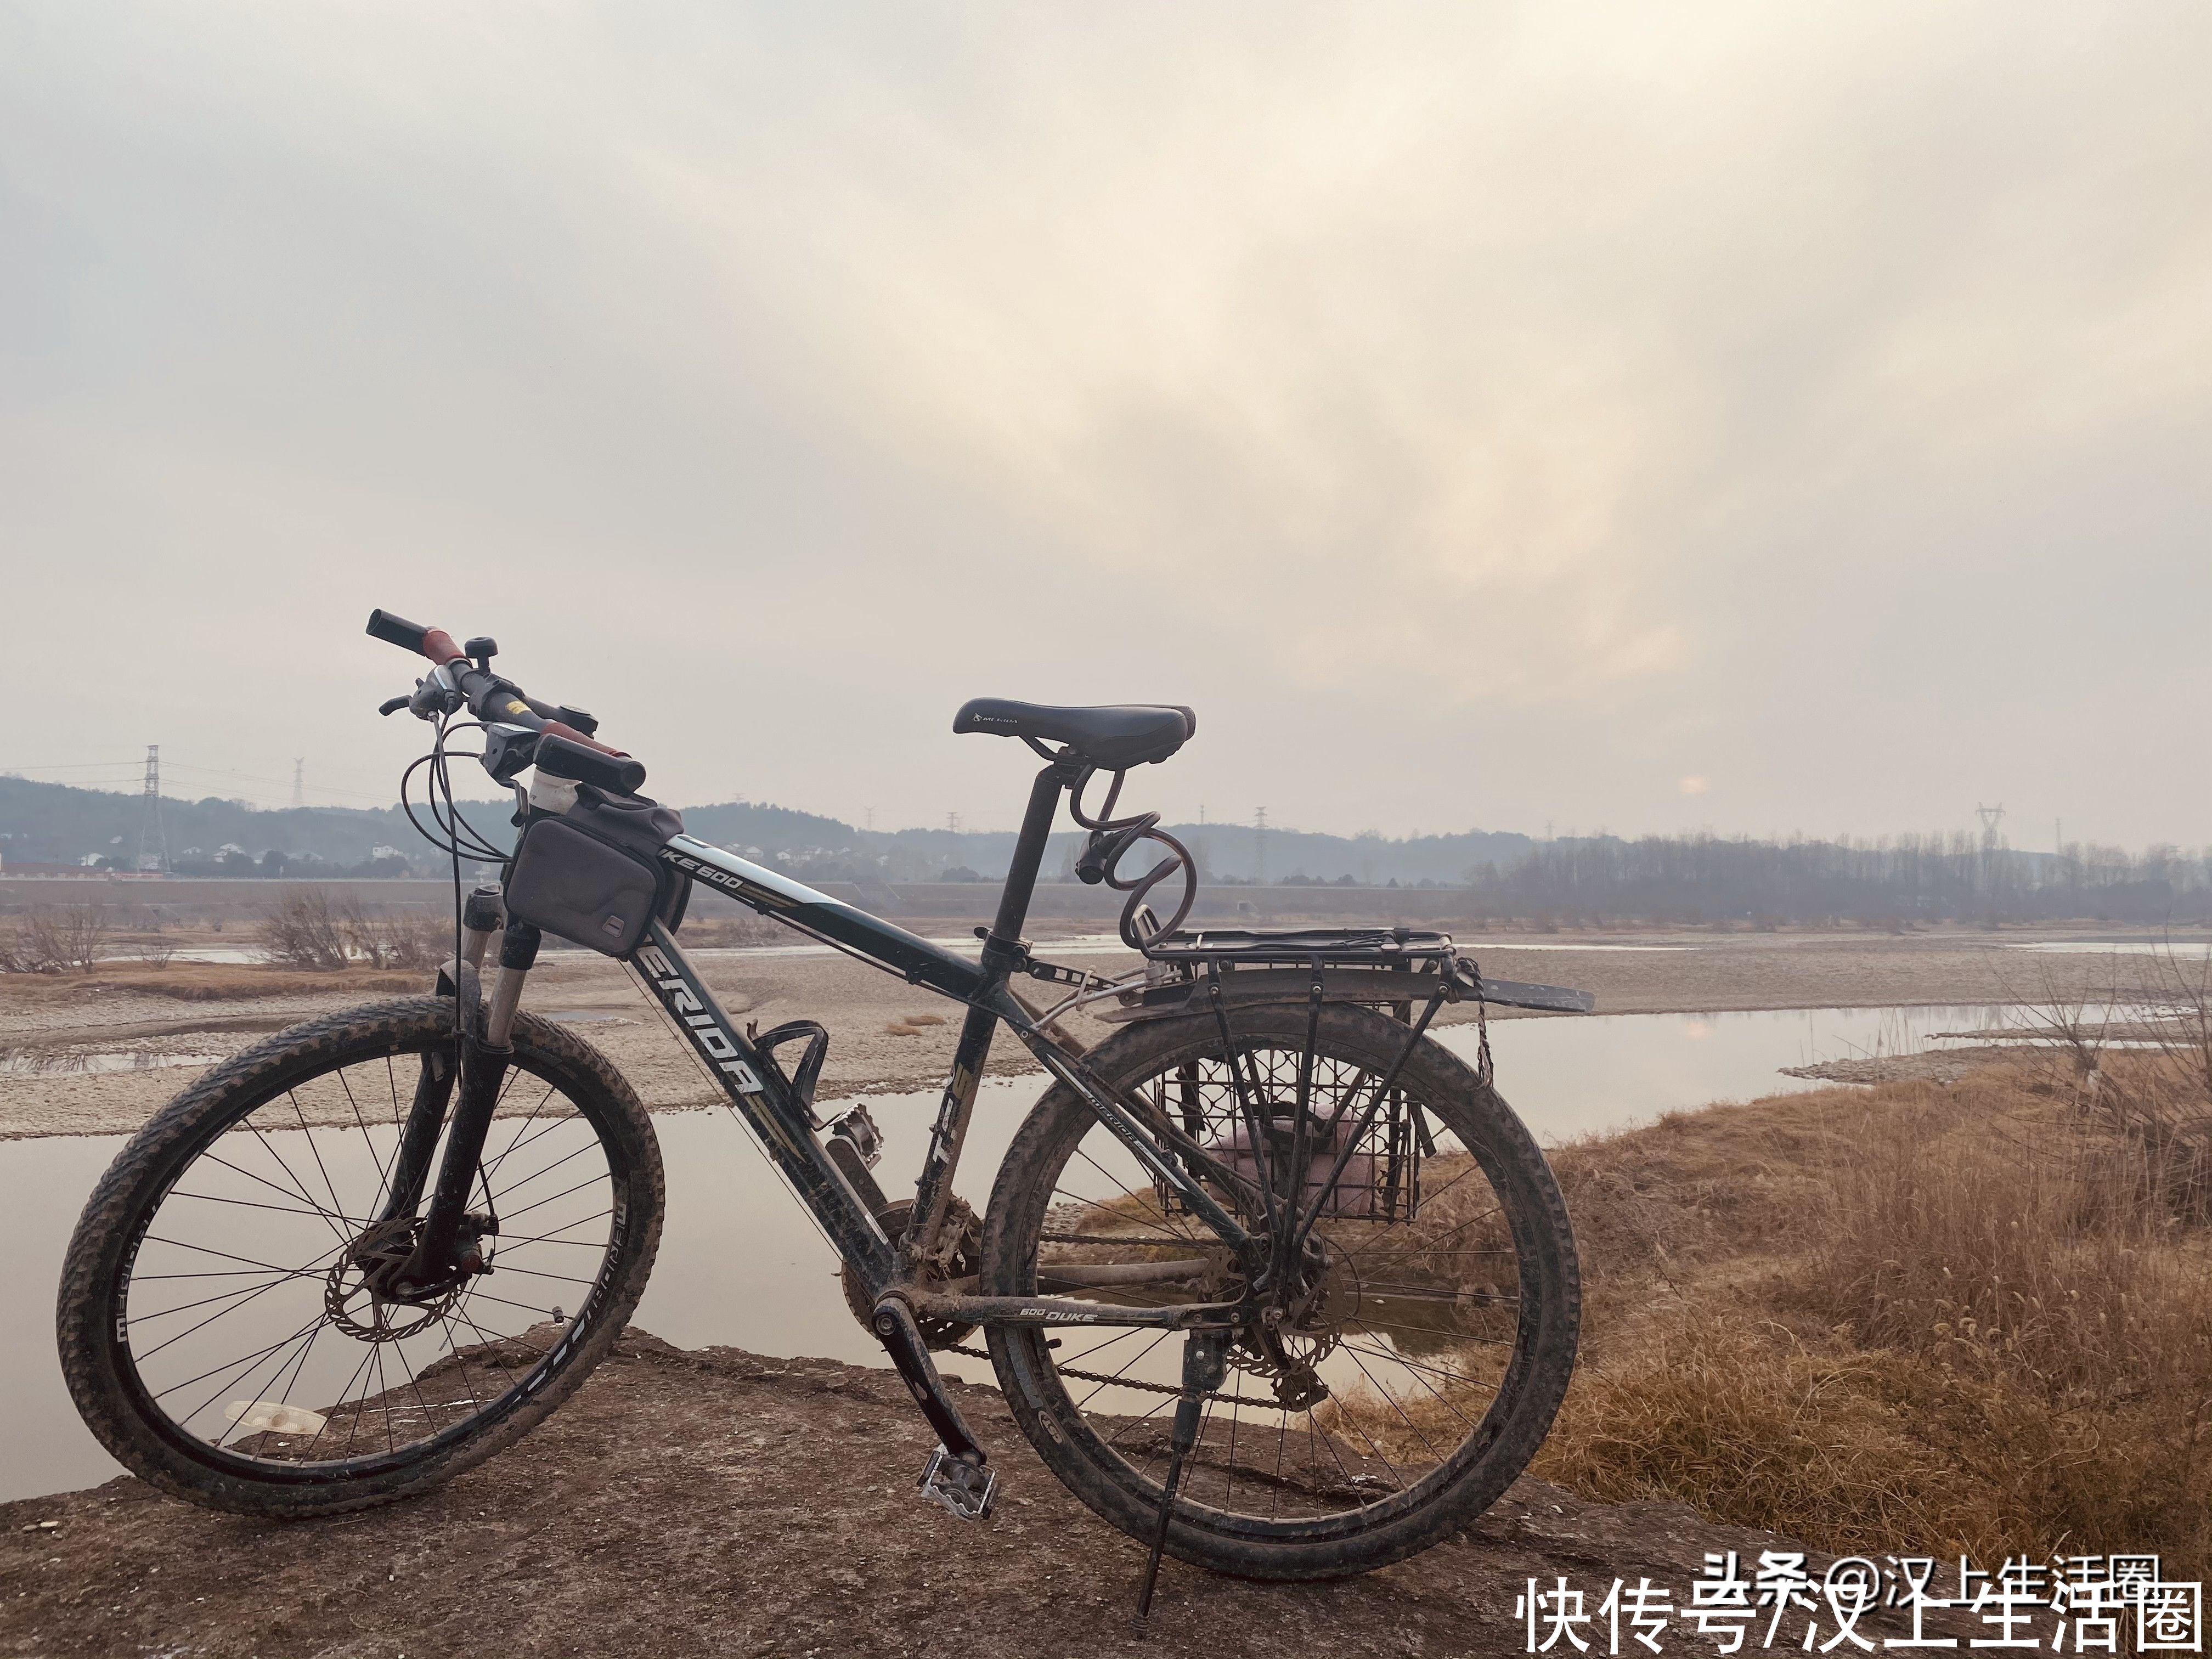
(427, 702)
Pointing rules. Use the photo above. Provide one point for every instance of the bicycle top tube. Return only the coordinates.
(776, 895)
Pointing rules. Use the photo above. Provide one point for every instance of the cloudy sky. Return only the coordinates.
(1758, 416)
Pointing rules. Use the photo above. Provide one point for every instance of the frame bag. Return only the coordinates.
(592, 875)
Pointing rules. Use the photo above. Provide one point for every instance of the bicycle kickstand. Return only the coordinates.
(1204, 1363)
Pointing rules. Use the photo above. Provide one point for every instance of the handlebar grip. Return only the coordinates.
(434, 643)
(563, 730)
(567, 754)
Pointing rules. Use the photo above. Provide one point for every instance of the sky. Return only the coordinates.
(1753, 417)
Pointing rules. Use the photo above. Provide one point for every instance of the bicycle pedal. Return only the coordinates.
(966, 1489)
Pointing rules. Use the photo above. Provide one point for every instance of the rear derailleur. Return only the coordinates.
(1285, 1336)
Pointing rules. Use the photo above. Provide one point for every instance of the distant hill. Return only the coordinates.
(56, 823)
(1675, 881)
(1225, 852)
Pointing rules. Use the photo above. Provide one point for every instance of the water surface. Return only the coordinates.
(742, 1263)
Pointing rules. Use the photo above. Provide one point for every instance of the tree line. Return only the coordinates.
(1702, 880)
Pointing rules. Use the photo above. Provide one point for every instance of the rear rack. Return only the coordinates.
(1335, 947)
(1390, 965)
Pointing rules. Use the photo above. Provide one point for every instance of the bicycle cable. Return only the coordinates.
(1111, 841)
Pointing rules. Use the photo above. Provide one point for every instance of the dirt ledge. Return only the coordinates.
(714, 1503)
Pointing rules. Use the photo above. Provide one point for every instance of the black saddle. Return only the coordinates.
(1111, 738)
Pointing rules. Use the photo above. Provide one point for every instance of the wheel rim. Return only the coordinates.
(245, 1334)
(1397, 1375)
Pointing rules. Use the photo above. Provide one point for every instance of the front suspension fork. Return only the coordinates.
(486, 1050)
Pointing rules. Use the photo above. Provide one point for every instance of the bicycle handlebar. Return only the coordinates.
(435, 643)
(491, 697)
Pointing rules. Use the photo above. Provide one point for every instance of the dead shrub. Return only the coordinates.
(395, 939)
(67, 939)
(303, 931)
(2030, 1260)
(307, 931)
(2139, 1058)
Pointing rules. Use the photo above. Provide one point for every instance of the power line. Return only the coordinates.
(130, 766)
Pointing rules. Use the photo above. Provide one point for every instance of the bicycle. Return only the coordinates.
(1269, 1277)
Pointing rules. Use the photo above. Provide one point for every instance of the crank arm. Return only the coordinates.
(901, 1338)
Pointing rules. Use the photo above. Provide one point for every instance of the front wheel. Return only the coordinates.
(1400, 1376)
(216, 1323)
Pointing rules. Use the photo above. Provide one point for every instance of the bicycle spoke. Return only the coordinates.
(243, 1297)
(509, 1192)
(306, 1135)
(515, 1142)
(1124, 1371)
(565, 1279)
(556, 1197)
(1390, 1401)
(313, 1208)
(228, 1229)
(383, 1165)
(246, 1203)
(331, 1218)
(1374, 1284)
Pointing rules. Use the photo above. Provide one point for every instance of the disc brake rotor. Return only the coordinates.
(356, 1309)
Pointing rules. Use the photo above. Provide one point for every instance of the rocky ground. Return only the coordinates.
(713, 1503)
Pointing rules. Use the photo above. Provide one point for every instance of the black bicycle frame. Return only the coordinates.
(787, 1129)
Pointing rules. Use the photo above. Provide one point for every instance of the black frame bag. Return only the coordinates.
(593, 875)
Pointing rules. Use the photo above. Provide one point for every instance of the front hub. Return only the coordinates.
(382, 1260)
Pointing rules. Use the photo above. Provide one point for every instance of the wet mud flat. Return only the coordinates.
(714, 1503)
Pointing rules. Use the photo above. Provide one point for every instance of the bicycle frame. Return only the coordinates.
(786, 1126)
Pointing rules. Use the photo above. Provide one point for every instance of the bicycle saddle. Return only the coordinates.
(1110, 738)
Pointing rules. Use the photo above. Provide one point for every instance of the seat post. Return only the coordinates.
(1029, 856)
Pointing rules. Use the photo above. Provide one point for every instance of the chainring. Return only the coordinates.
(959, 1254)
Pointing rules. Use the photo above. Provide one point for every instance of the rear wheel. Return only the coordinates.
(1403, 1387)
(215, 1325)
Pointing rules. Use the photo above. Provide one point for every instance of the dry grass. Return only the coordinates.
(1956, 1320)
(1946, 1318)
(907, 1025)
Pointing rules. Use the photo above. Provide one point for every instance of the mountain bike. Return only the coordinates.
(1270, 1278)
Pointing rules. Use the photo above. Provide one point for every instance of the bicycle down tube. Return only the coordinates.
(785, 1126)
